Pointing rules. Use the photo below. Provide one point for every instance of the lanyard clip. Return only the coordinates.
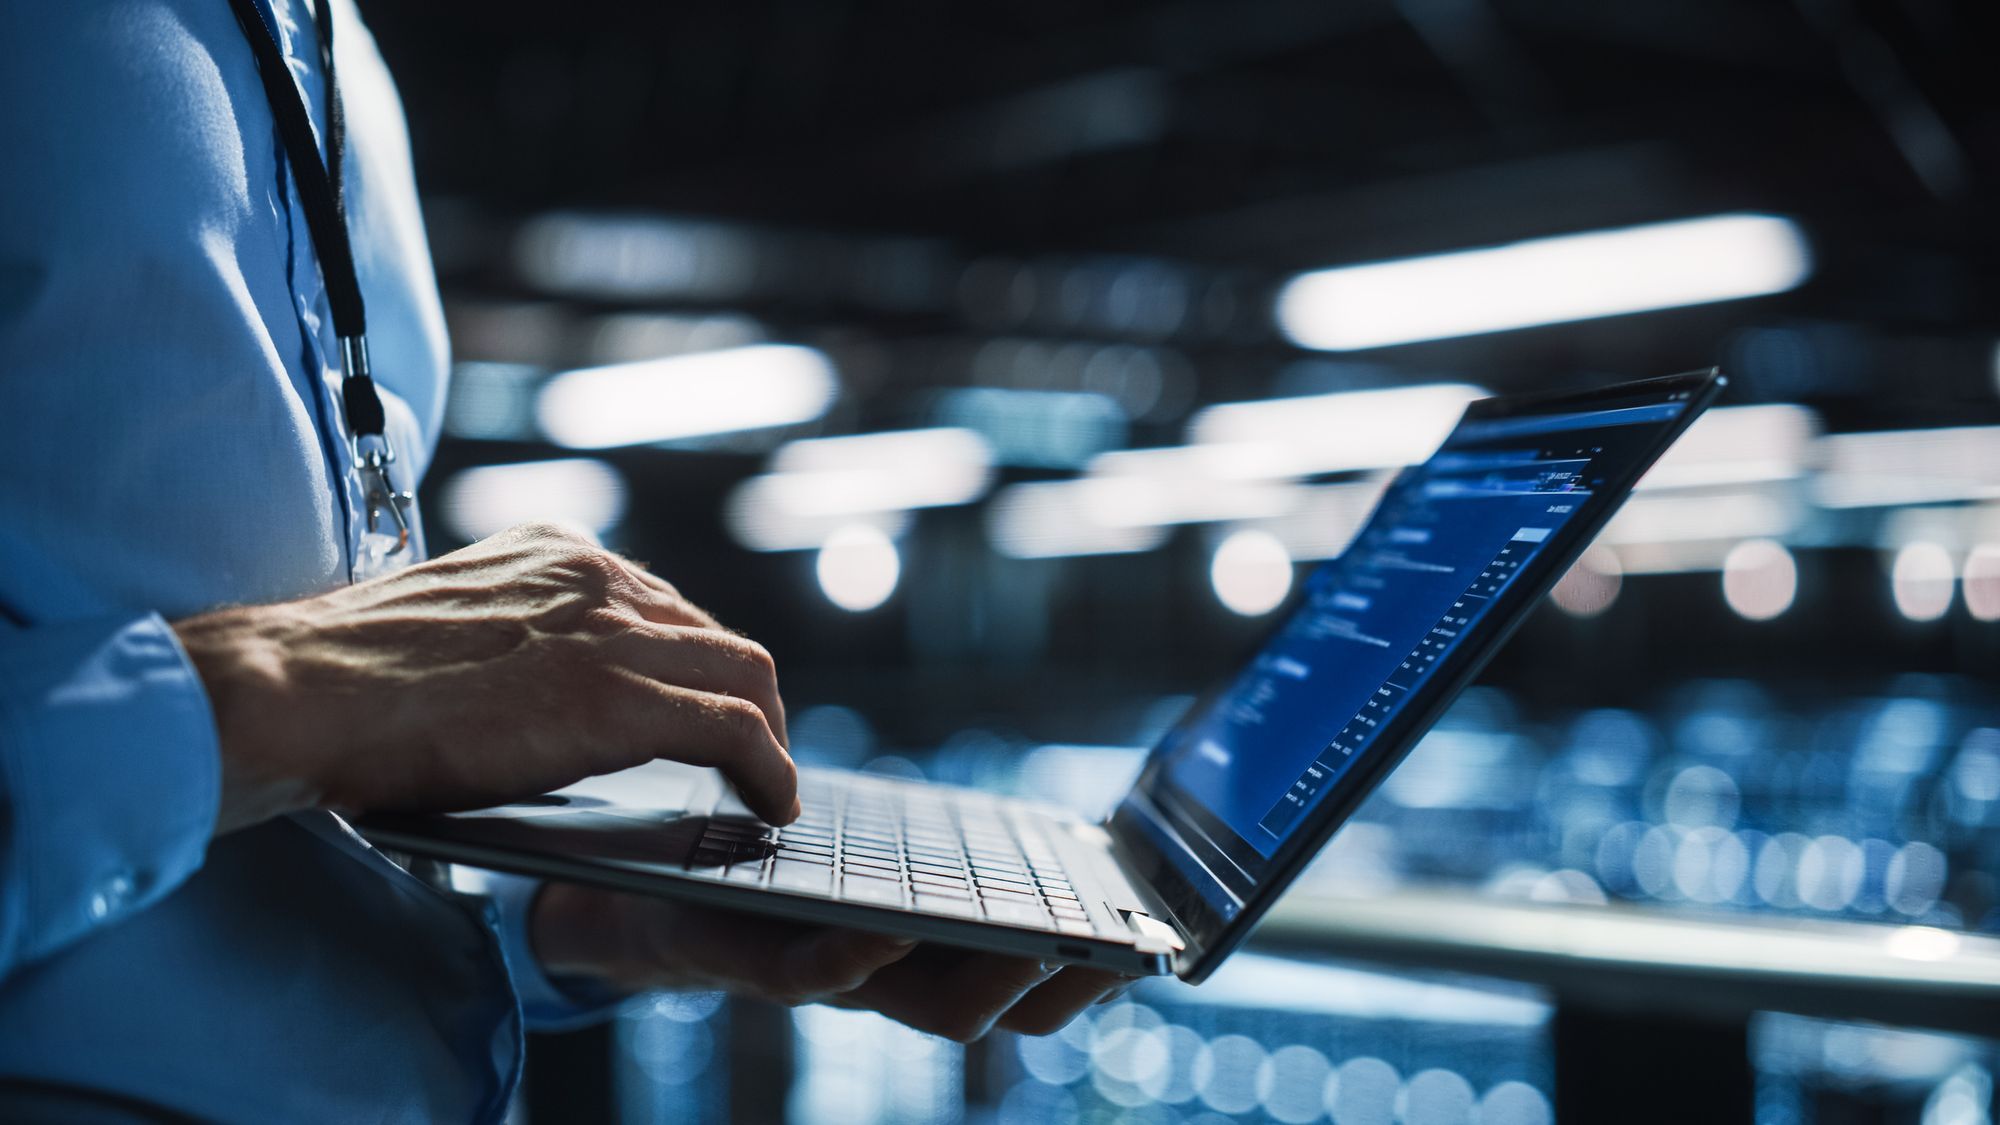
(372, 458)
(372, 453)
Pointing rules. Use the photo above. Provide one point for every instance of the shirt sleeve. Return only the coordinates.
(547, 1003)
(110, 777)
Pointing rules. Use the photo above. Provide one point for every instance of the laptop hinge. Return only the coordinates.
(1152, 929)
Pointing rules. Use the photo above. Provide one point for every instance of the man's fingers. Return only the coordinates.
(1058, 1000)
(709, 660)
(687, 945)
(782, 961)
(755, 677)
(834, 961)
(958, 996)
(663, 603)
(719, 731)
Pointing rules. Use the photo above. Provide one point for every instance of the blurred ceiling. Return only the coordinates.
(1273, 132)
(1249, 139)
(1088, 196)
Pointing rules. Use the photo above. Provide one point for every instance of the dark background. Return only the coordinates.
(879, 150)
(910, 187)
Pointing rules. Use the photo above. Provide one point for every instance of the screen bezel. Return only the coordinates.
(1132, 826)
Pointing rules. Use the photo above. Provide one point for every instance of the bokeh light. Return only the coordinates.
(1921, 581)
(858, 568)
(1251, 572)
(1759, 579)
(1591, 585)
(1982, 582)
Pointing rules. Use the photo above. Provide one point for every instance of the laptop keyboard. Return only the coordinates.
(923, 848)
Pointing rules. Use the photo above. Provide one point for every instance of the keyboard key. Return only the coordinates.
(825, 859)
(1071, 926)
(794, 875)
(982, 871)
(1061, 911)
(852, 859)
(933, 884)
(860, 888)
(745, 873)
(941, 904)
(871, 852)
(709, 857)
(1016, 913)
(1051, 892)
(1001, 871)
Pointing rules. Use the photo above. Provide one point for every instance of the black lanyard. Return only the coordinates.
(321, 192)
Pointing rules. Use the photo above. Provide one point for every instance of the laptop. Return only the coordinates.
(1232, 803)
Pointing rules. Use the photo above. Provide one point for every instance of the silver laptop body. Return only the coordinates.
(1233, 802)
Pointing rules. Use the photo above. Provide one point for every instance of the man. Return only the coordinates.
(189, 684)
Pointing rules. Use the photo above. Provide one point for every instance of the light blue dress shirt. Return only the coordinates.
(170, 442)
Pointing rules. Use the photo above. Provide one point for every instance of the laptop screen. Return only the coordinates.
(1375, 636)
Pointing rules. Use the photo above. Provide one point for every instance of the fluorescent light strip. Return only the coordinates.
(1053, 519)
(948, 448)
(1738, 445)
(1890, 468)
(1325, 517)
(1768, 512)
(686, 396)
(760, 528)
(821, 482)
(579, 492)
(1544, 281)
(1333, 432)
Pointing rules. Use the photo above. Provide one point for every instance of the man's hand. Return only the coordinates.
(518, 665)
(635, 942)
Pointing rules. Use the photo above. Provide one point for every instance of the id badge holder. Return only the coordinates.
(384, 543)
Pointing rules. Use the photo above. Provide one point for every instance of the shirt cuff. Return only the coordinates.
(547, 1003)
(110, 776)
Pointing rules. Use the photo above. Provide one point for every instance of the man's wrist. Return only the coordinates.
(563, 990)
(574, 932)
(240, 659)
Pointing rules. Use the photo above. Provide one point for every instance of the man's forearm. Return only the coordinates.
(518, 665)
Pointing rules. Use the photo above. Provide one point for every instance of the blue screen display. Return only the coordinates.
(1447, 538)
